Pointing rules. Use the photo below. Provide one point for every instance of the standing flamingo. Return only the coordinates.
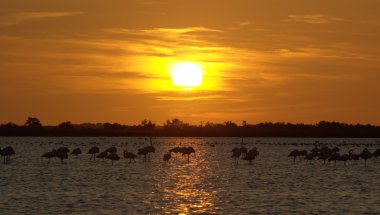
(167, 156)
(76, 152)
(93, 151)
(366, 154)
(113, 157)
(251, 155)
(187, 151)
(7, 152)
(236, 153)
(294, 154)
(129, 155)
(145, 151)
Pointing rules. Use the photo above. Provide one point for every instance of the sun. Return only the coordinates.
(187, 75)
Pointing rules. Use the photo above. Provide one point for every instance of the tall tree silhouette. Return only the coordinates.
(33, 122)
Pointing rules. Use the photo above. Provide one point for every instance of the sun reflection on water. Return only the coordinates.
(184, 186)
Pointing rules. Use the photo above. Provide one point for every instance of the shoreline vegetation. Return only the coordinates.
(178, 128)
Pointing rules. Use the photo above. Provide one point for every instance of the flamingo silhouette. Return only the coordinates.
(76, 152)
(366, 154)
(129, 155)
(251, 155)
(102, 155)
(113, 157)
(243, 150)
(7, 152)
(93, 151)
(236, 153)
(353, 156)
(167, 156)
(294, 154)
(111, 150)
(49, 155)
(62, 153)
(187, 151)
(145, 151)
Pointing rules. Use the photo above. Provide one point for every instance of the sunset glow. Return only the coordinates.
(187, 75)
(301, 62)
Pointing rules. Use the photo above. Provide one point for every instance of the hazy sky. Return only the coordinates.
(109, 61)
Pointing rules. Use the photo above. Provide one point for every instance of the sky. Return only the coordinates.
(263, 61)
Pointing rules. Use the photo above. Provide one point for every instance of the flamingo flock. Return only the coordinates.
(320, 152)
(184, 150)
(332, 155)
(242, 152)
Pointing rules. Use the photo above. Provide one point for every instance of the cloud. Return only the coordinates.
(313, 19)
(18, 18)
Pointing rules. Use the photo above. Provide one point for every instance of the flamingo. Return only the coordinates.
(93, 151)
(167, 156)
(353, 156)
(113, 157)
(243, 150)
(365, 155)
(310, 156)
(251, 155)
(76, 152)
(7, 152)
(236, 153)
(335, 157)
(129, 155)
(187, 151)
(294, 154)
(49, 155)
(344, 158)
(176, 150)
(111, 150)
(147, 150)
(102, 155)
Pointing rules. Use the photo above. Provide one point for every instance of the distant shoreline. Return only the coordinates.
(177, 128)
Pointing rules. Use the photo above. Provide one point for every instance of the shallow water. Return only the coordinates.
(210, 184)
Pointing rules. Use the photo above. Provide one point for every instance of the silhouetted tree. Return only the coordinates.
(175, 124)
(33, 122)
(147, 124)
(66, 125)
(230, 124)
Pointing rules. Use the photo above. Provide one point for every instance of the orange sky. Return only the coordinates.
(109, 61)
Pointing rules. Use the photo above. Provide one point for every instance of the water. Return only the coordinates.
(210, 184)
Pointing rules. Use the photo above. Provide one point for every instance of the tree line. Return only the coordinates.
(179, 128)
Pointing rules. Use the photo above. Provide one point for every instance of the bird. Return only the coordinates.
(129, 155)
(113, 157)
(176, 150)
(61, 153)
(353, 156)
(111, 150)
(102, 155)
(366, 154)
(167, 156)
(294, 154)
(187, 151)
(310, 156)
(49, 155)
(243, 150)
(145, 151)
(76, 152)
(236, 153)
(335, 157)
(251, 155)
(93, 151)
(7, 152)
